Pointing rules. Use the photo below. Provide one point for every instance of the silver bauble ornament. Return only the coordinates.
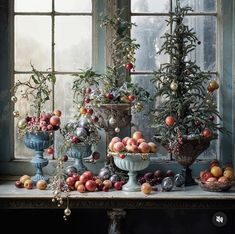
(104, 173)
(81, 133)
(14, 99)
(173, 86)
(117, 129)
(67, 211)
(83, 122)
(22, 124)
(167, 184)
(114, 178)
(179, 180)
(16, 114)
(112, 121)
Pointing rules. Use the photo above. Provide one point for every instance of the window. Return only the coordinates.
(54, 35)
(39, 23)
(151, 16)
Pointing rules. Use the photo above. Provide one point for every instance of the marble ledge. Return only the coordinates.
(8, 190)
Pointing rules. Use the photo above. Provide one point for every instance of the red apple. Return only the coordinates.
(124, 140)
(131, 141)
(90, 185)
(134, 149)
(28, 184)
(144, 147)
(77, 183)
(139, 141)
(146, 188)
(111, 144)
(70, 181)
(55, 120)
(76, 176)
(41, 184)
(118, 147)
(88, 174)
(170, 173)
(83, 178)
(81, 188)
(107, 183)
(116, 139)
(137, 135)
(19, 184)
(206, 175)
(153, 147)
(118, 185)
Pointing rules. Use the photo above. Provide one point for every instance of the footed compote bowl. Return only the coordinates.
(38, 141)
(131, 162)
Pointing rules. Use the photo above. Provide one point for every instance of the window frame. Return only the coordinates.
(226, 11)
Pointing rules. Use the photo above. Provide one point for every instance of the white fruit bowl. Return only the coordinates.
(132, 162)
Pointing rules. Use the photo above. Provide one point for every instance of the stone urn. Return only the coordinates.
(38, 142)
(78, 152)
(187, 152)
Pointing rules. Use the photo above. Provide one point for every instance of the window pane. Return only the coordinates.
(24, 108)
(205, 53)
(199, 5)
(73, 42)
(148, 32)
(138, 6)
(64, 102)
(32, 42)
(73, 5)
(32, 5)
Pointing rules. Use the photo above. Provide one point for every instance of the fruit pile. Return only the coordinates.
(217, 174)
(45, 122)
(87, 181)
(158, 179)
(134, 144)
(26, 182)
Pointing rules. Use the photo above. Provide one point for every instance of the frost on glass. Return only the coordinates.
(205, 53)
(199, 5)
(144, 6)
(23, 106)
(64, 102)
(32, 42)
(33, 5)
(73, 39)
(148, 34)
(73, 5)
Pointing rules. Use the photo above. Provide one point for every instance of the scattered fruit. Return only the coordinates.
(146, 188)
(24, 178)
(19, 184)
(28, 184)
(41, 184)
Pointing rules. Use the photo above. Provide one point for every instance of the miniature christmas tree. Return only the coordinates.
(185, 119)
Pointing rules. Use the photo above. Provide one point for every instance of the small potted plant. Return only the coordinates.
(37, 129)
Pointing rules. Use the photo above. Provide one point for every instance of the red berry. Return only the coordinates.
(170, 120)
(122, 156)
(129, 66)
(89, 111)
(118, 185)
(131, 98)
(65, 158)
(87, 100)
(50, 150)
(75, 139)
(95, 119)
(206, 132)
(109, 96)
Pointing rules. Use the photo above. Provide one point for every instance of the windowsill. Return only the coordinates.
(188, 197)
